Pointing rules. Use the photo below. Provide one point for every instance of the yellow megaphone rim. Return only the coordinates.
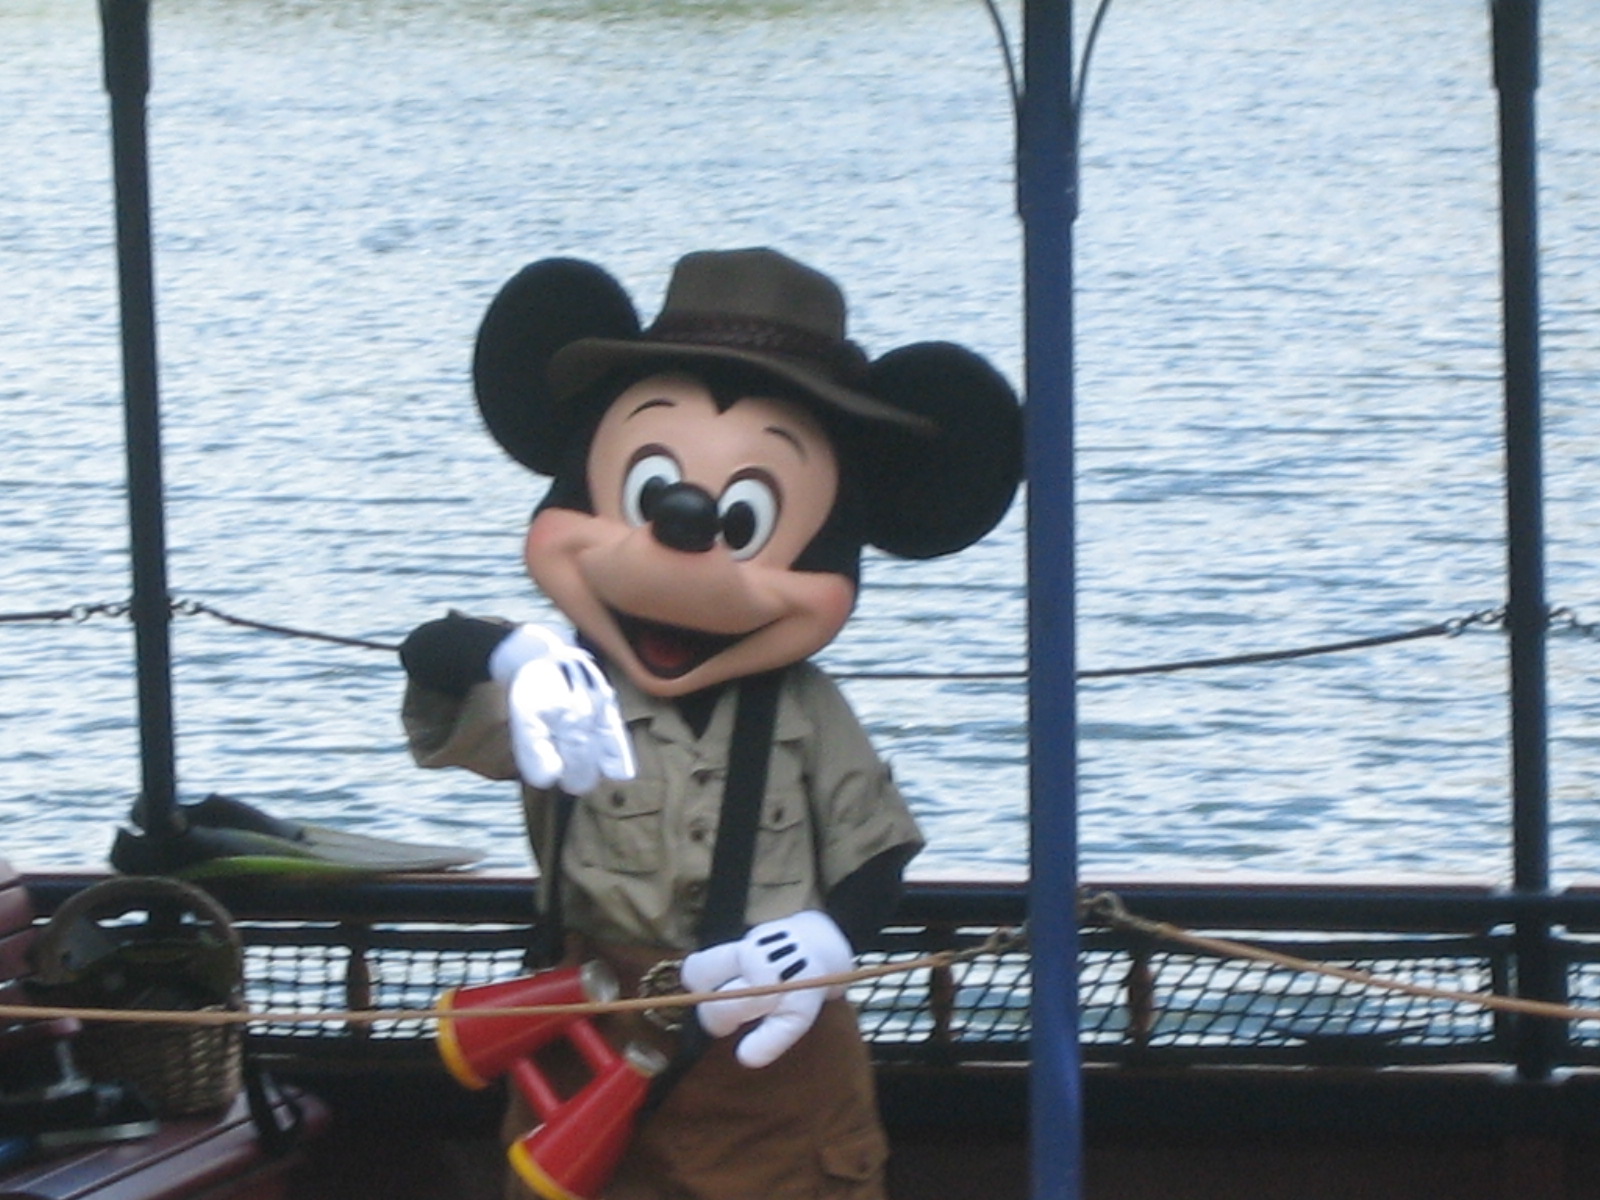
(455, 1060)
(535, 1176)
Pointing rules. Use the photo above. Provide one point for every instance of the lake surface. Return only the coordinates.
(1288, 412)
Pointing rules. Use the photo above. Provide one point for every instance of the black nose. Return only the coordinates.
(684, 517)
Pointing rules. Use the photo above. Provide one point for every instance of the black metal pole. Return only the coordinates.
(1540, 974)
(1047, 199)
(126, 25)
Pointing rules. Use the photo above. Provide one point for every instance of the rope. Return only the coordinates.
(1108, 908)
(1451, 628)
(190, 607)
(1559, 618)
(1486, 617)
(999, 942)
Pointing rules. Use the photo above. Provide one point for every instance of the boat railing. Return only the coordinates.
(398, 943)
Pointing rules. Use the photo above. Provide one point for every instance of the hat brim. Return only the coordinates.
(583, 363)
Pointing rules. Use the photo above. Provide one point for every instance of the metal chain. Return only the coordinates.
(81, 613)
(78, 612)
(1566, 620)
(1485, 618)
(1488, 618)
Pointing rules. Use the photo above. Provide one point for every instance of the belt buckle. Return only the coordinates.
(665, 979)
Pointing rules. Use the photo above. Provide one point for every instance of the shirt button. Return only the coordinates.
(699, 831)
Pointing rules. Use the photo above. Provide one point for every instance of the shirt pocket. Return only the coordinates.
(853, 1165)
(620, 829)
(784, 854)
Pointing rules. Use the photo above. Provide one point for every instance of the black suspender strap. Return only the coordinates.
(728, 889)
(550, 937)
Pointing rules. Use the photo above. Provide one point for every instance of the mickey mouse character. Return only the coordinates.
(692, 784)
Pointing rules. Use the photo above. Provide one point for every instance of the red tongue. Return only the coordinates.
(662, 652)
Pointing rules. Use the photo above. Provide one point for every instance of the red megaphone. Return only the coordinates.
(478, 1050)
(572, 1155)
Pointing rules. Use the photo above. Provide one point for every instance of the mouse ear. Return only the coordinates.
(545, 306)
(937, 491)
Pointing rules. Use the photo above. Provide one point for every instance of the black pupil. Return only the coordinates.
(650, 496)
(739, 526)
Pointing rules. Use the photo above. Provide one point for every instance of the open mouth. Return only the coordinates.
(670, 651)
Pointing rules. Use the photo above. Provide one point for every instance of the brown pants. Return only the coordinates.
(804, 1128)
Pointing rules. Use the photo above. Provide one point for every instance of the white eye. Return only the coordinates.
(651, 475)
(749, 512)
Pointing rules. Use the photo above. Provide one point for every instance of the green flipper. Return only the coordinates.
(219, 836)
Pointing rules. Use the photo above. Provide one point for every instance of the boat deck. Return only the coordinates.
(1204, 1077)
(1236, 1134)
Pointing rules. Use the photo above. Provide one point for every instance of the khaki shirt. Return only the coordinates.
(638, 854)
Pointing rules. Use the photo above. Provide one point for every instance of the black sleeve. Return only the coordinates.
(451, 654)
(863, 901)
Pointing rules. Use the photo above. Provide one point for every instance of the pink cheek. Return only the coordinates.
(553, 544)
(537, 550)
(834, 603)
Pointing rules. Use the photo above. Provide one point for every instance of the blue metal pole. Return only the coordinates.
(126, 25)
(1540, 974)
(1047, 200)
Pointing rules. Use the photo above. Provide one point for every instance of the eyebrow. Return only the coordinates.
(799, 447)
(657, 402)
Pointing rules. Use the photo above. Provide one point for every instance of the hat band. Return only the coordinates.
(842, 360)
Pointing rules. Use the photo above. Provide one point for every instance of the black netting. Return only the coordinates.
(1138, 1000)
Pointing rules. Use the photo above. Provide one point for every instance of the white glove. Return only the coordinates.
(566, 727)
(807, 945)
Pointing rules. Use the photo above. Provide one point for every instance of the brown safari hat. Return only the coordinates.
(754, 306)
(934, 431)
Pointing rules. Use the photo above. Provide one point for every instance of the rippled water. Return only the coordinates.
(1288, 361)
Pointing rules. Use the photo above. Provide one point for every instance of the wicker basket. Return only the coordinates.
(184, 955)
